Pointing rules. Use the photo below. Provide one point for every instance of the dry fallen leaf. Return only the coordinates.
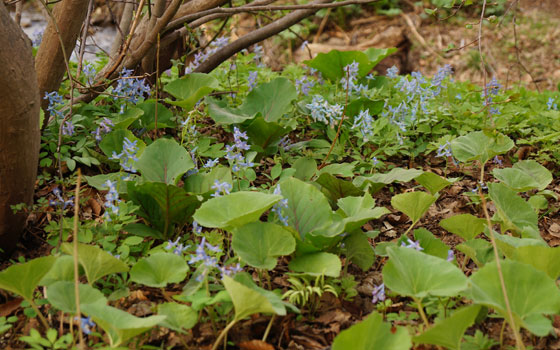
(255, 345)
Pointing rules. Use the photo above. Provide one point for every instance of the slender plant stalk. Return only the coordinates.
(39, 314)
(82, 344)
(511, 320)
(268, 328)
(223, 334)
(421, 311)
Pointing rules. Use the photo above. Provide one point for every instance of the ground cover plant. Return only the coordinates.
(244, 207)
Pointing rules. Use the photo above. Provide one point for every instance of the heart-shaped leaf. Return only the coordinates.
(246, 301)
(188, 90)
(415, 274)
(265, 135)
(431, 244)
(373, 334)
(222, 114)
(179, 317)
(317, 264)
(22, 279)
(413, 204)
(62, 270)
(119, 325)
(530, 291)
(95, 261)
(148, 118)
(62, 296)
(378, 181)
(479, 250)
(164, 161)
(272, 100)
(516, 214)
(331, 65)
(159, 269)
(234, 210)
(542, 258)
(432, 182)
(359, 250)
(449, 332)
(356, 211)
(335, 188)
(477, 145)
(464, 225)
(260, 244)
(524, 176)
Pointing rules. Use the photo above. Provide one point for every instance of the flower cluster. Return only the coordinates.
(277, 208)
(68, 128)
(364, 121)
(111, 200)
(412, 244)
(392, 72)
(59, 201)
(86, 324)
(444, 151)
(103, 128)
(551, 105)
(89, 72)
(55, 102)
(350, 79)
(439, 77)
(128, 155)
(492, 89)
(129, 88)
(252, 79)
(37, 37)
(202, 56)
(304, 85)
(324, 112)
(221, 188)
(378, 293)
(177, 247)
(235, 152)
(210, 262)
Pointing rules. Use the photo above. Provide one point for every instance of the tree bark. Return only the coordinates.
(49, 64)
(19, 128)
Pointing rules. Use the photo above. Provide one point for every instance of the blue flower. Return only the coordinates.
(60, 202)
(105, 126)
(551, 105)
(128, 155)
(278, 207)
(55, 102)
(450, 255)
(221, 188)
(412, 244)
(364, 121)
(322, 111)
(129, 88)
(392, 72)
(378, 293)
(111, 200)
(304, 85)
(177, 247)
(350, 78)
(86, 324)
(68, 128)
(252, 79)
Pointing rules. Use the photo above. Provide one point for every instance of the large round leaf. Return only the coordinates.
(95, 261)
(315, 264)
(260, 244)
(415, 274)
(271, 100)
(413, 204)
(179, 317)
(22, 279)
(530, 291)
(477, 145)
(62, 296)
(234, 210)
(164, 161)
(159, 269)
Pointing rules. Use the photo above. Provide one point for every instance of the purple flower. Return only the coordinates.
(55, 102)
(130, 89)
(412, 244)
(86, 323)
(177, 247)
(128, 155)
(364, 121)
(551, 105)
(277, 208)
(392, 72)
(196, 227)
(221, 188)
(111, 200)
(252, 80)
(378, 293)
(304, 85)
(450, 255)
(103, 128)
(230, 270)
(68, 128)
(60, 202)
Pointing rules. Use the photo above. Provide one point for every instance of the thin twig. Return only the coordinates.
(84, 39)
(517, 52)
(76, 274)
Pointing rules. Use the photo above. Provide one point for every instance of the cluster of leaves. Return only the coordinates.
(186, 209)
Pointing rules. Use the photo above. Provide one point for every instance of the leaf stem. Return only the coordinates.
(268, 328)
(223, 334)
(511, 320)
(39, 314)
(421, 311)
(82, 344)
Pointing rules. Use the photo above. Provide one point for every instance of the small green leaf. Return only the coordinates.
(378, 181)
(466, 226)
(246, 301)
(95, 261)
(234, 210)
(164, 161)
(432, 182)
(431, 244)
(479, 250)
(190, 89)
(179, 317)
(373, 334)
(413, 204)
(477, 145)
(359, 250)
(22, 279)
(449, 332)
(315, 264)
(260, 244)
(415, 274)
(159, 269)
(542, 258)
(62, 296)
(272, 100)
(306, 167)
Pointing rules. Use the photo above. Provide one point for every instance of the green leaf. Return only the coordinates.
(378, 181)
(335, 188)
(373, 334)
(507, 244)
(119, 325)
(202, 183)
(449, 332)
(374, 107)
(275, 299)
(266, 135)
(179, 317)
(129, 116)
(164, 161)
(22, 279)
(306, 167)
(413, 204)
(148, 118)
(415, 274)
(539, 173)
(163, 205)
(272, 100)
(376, 55)
(62, 296)
(159, 269)
(432, 182)
(62, 270)
(359, 250)
(222, 114)
(234, 210)
(261, 243)
(479, 146)
(524, 176)
(331, 65)
(530, 291)
(542, 258)
(99, 182)
(113, 142)
(188, 90)
(308, 209)
(516, 214)
(143, 231)
(479, 250)
(316, 264)
(466, 226)
(246, 301)
(431, 244)
(95, 261)
(359, 210)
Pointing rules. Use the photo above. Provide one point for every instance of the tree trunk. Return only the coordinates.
(49, 64)
(19, 128)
